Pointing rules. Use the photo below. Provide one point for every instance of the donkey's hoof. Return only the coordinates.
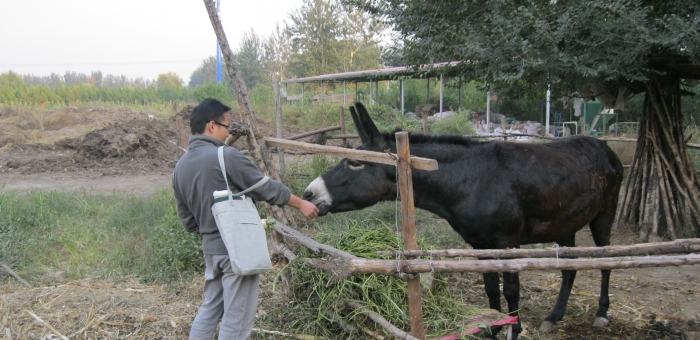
(600, 322)
(547, 327)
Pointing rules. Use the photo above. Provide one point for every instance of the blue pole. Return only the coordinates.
(218, 49)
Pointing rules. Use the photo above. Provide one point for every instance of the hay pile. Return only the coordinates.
(96, 309)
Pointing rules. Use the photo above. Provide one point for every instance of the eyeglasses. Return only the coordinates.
(220, 124)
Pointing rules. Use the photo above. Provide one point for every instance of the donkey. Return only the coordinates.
(495, 195)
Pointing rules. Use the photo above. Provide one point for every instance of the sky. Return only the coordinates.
(135, 38)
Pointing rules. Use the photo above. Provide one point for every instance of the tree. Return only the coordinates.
(609, 49)
(205, 73)
(249, 57)
(277, 53)
(12, 87)
(314, 28)
(358, 47)
(169, 86)
(329, 37)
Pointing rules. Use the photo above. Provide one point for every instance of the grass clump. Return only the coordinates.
(320, 301)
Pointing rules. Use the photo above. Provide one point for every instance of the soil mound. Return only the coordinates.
(137, 138)
(107, 141)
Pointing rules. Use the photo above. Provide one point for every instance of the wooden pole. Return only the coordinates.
(246, 110)
(314, 132)
(408, 218)
(342, 136)
(503, 126)
(680, 246)
(343, 267)
(9, 270)
(342, 125)
(277, 239)
(278, 121)
(308, 242)
(360, 155)
(459, 101)
(181, 135)
(382, 322)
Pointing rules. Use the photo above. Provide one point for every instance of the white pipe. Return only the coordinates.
(402, 107)
(547, 110)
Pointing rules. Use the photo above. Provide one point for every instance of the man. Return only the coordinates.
(227, 296)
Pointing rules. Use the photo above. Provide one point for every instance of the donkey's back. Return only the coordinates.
(513, 193)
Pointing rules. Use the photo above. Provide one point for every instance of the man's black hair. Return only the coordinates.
(208, 110)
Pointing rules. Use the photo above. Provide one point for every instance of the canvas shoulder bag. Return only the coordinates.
(240, 227)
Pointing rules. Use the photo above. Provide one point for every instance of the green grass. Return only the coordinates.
(79, 235)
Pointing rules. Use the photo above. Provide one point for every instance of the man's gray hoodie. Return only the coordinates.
(197, 175)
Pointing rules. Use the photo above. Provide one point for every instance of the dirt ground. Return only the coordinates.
(107, 149)
(100, 149)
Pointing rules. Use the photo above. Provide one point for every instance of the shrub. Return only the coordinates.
(456, 124)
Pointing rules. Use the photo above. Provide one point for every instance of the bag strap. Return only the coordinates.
(222, 165)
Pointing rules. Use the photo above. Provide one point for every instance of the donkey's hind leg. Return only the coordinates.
(567, 283)
(601, 227)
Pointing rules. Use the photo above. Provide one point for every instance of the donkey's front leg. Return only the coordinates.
(511, 291)
(494, 294)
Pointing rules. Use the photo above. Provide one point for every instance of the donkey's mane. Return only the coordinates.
(419, 138)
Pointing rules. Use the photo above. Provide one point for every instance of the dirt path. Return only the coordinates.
(139, 185)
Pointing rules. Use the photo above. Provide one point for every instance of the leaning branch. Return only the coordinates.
(308, 242)
(13, 274)
(382, 321)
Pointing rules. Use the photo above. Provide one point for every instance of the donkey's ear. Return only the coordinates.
(364, 137)
(374, 136)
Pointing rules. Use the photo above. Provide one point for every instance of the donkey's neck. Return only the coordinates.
(436, 191)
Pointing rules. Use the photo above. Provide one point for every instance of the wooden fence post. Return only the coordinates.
(408, 218)
(181, 135)
(278, 120)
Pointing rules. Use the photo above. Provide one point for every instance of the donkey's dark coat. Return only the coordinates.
(496, 195)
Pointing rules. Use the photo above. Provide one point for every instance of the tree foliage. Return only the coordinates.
(605, 48)
(328, 37)
(205, 73)
(250, 60)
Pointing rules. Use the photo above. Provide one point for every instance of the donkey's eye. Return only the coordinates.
(354, 165)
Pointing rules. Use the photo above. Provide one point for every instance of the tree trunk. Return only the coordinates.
(660, 197)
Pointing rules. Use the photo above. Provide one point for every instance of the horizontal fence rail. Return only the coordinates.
(680, 246)
(344, 267)
(361, 155)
